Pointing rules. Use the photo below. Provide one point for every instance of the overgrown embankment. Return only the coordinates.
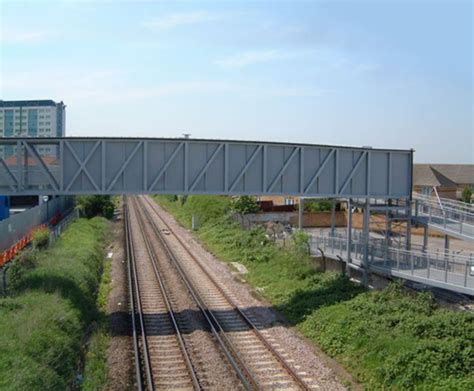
(390, 339)
(53, 300)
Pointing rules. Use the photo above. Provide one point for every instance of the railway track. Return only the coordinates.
(253, 358)
(162, 359)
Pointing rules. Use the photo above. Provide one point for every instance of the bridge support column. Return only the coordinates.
(333, 216)
(425, 238)
(349, 234)
(408, 232)
(446, 243)
(366, 230)
(301, 213)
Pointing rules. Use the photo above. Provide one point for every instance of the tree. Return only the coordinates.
(95, 205)
(466, 195)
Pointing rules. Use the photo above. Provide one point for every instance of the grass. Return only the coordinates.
(51, 303)
(389, 339)
(95, 371)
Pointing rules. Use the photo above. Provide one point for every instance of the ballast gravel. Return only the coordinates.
(298, 353)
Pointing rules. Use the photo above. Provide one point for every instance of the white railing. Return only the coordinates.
(441, 267)
(461, 207)
(457, 220)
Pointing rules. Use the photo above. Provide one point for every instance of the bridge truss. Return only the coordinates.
(68, 166)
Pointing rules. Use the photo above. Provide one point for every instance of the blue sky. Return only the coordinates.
(386, 74)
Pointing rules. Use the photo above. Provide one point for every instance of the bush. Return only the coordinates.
(96, 205)
(17, 270)
(466, 195)
(245, 205)
(393, 339)
(317, 206)
(301, 242)
(41, 238)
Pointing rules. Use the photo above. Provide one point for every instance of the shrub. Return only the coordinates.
(245, 205)
(466, 195)
(96, 205)
(41, 238)
(317, 206)
(301, 242)
(17, 270)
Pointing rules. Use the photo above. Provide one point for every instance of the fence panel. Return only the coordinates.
(18, 225)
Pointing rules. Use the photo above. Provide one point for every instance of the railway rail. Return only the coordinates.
(255, 360)
(162, 360)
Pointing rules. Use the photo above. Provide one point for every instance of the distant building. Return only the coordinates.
(449, 180)
(31, 118)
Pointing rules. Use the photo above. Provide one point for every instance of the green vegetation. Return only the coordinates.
(41, 238)
(466, 195)
(301, 242)
(244, 205)
(389, 339)
(317, 206)
(52, 301)
(95, 205)
(394, 340)
(95, 371)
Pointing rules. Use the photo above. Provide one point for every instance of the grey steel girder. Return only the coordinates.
(192, 166)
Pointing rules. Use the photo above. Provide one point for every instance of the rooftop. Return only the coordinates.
(446, 175)
(28, 103)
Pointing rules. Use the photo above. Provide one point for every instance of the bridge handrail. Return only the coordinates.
(452, 219)
(379, 245)
(438, 268)
(453, 204)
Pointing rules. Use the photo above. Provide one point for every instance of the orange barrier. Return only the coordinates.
(11, 252)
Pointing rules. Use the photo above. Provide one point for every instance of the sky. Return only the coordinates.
(388, 74)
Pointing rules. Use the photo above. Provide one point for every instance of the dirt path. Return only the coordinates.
(120, 361)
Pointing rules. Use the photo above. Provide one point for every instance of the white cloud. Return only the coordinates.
(240, 60)
(8, 36)
(180, 19)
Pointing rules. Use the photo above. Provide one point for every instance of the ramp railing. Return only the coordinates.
(451, 217)
(444, 269)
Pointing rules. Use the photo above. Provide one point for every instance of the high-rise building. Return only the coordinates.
(31, 118)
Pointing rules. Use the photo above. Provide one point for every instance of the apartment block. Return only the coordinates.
(31, 118)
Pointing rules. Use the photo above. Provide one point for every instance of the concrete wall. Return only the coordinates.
(323, 220)
(254, 218)
(320, 219)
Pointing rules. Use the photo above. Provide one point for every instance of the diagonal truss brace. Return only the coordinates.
(34, 153)
(10, 174)
(353, 170)
(246, 167)
(124, 165)
(205, 168)
(165, 167)
(317, 174)
(283, 169)
(82, 165)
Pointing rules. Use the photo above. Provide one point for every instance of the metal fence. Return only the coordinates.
(436, 268)
(457, 220)
(18, 225)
